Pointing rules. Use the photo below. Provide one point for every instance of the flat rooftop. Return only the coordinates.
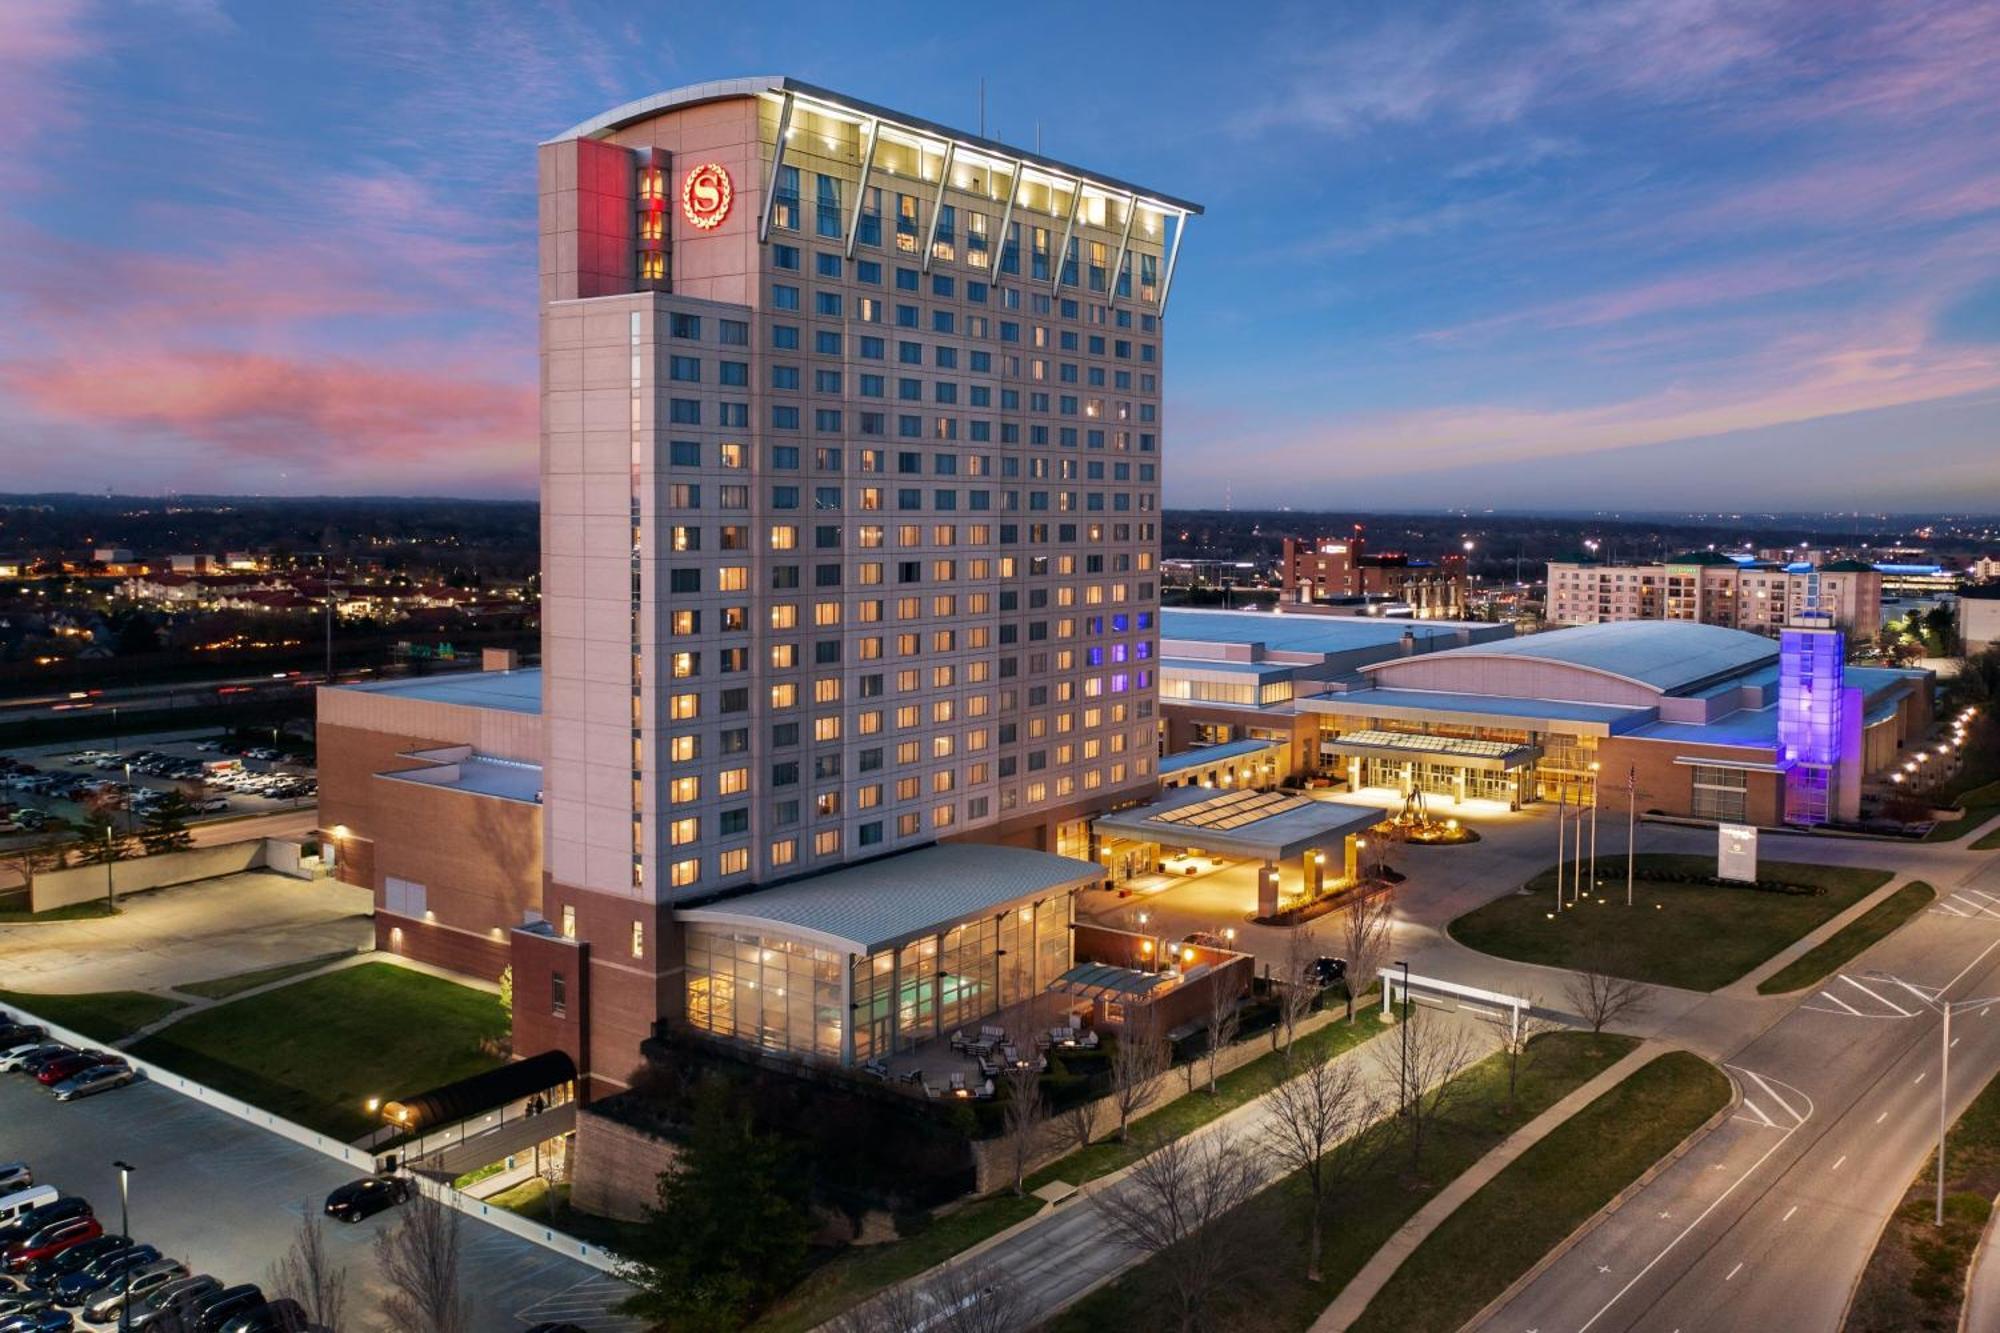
(1306, 632)
(1671, 656)
(863, 908)
(1203, 755)
(1242, 822)
(511, 691)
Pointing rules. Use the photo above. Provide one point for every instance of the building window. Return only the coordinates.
(568, 922)
(638, 939)
(558, 994)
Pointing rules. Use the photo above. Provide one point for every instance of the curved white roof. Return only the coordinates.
(1667, 656)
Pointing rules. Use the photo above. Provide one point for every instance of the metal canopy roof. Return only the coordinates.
(1091, 980)
(1486, 710)
(717, 90)
(1204, 755)
(1462, 751)
(860, 909)
(482, 1092)
(1272, 825)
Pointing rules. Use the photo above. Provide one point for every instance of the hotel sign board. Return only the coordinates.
(1736, 852)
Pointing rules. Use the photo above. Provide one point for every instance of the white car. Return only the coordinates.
(13, 1057)
(15, 1177)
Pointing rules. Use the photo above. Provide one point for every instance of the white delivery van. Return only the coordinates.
(13, 1205)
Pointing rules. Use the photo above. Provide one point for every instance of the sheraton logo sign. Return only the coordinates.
(705, 195)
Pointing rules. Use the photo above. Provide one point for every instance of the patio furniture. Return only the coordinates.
(958, 1088)
(985, 1091)
(992, 1034)
(1088, 1041)
(914, 1076)
(988, 1067)
(876, 1068)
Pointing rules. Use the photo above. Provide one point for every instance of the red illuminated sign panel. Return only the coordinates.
(705, 195)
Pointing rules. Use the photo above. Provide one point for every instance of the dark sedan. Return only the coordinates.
(28, 1223)
(44, 1273)
(46, 1319)
(75, 1288)
(66, 1066)
(366, 1197)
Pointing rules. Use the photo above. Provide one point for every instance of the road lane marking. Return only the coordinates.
(1842, 1003)
(1969, 966)
(1652, 1263)
(1978, 909)
(1879, 999)
(1880, 1118)
(1919, 1078)
(1776, 1096)
(1734, 1271)
(1956, 1040)
(1842, 1162)
(1946, 909)
(1788, 1213)
(1758, 1111)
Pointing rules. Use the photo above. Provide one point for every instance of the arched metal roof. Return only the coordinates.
(1665, 656)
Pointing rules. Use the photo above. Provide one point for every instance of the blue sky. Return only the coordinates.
(1677, 253)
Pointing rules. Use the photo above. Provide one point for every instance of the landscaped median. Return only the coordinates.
(1851, 940)
(1679, 931)
(858, 1273)
(1274, 1292)
(1916, 1277)
(1546, 1193)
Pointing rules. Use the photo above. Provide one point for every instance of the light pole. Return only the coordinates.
(1943, 1007)
(1403, 1072)
(125, 1170)
(1593, 826)
(1561, 828)
(1631, 824)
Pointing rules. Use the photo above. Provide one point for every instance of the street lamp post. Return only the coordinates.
(1560, 830)
(1593, 826)
(125, 1170)
(1631, 824)
(1944, 1007)
(1403, 1071)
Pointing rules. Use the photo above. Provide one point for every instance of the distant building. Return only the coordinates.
(111, 555)
(1979, 617)
(1337, 569)
(1707, 587)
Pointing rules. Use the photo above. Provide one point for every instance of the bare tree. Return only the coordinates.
(1024, 1121)
(307, 1273)
(1515, 1043)
(1602, 999)
(972, 1297)
(43, 854)
(1314, 1129)
(418, 1258)
(1173, 1205)
(1221, 1018)
(1137, 1064)
(1364, 933)
(1072, 1130)
(1426, 1059)
(552, 1166)
(1298, 984)
(902, 1308)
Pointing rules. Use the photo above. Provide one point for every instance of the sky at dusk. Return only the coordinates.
(1663, 254)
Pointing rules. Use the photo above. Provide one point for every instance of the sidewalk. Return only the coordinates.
(1354, 1297)
(1745, 986)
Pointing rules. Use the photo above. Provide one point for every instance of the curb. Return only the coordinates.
(1971, 1267)
(1617, 1201)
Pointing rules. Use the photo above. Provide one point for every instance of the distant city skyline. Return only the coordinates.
(1668, 255)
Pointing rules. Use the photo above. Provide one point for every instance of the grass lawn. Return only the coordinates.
(89, 910)
(530, 1199)
(316, 1050)
(221, 988)
(1546, 1193)
(1691, 935)
(1987, 841)
(100, 1015)
(1916, 1277)
(1271, 1227)
(1850, 940)
(858, 1273)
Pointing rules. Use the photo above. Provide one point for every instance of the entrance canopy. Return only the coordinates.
(1462, 751)
(482, 1092)
(1270, 825)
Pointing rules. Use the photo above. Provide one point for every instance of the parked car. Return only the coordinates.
(102, 1306)
(50, 1241)
(214, 1311)
(72, 1289)
(15, 1177)
(366, 1197)
(64, 1066)
(96, 1079)
(16, 1302)
(1329, 971)
(14, 1057)
(172, 1306)
(44, 1205)
(43, 1272)
(41, 1319)
(279, 1316)
(14, 1034)
(51, 1051)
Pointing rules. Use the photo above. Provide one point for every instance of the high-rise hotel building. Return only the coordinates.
(851, 463)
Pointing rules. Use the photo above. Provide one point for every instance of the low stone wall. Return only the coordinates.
(617, 1168)
(77, 884)
(992, 1163)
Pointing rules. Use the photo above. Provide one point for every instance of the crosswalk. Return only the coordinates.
(587, 1305)
(1967, 903)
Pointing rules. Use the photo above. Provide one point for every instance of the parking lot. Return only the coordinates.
(45, 785)
(225, 1198)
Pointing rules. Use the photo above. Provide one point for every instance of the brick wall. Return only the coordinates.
(617, 1167)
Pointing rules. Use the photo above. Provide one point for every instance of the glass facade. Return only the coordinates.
(778, 994)
(1811, 683)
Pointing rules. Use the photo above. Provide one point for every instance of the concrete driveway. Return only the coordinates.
(224, 1197)
(191, 932)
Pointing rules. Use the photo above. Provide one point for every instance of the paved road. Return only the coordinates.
(224, 1197)
(1767, 1223)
